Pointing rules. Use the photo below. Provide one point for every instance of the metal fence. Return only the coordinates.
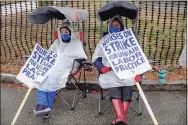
(161, 28)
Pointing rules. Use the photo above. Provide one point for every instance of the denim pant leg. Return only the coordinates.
(42, 98)
(50, 98)
(46, 98)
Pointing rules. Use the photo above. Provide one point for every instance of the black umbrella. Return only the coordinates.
(44, 14)
(121, 8)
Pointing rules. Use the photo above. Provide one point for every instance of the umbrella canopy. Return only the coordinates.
(44, 14)
(122, 8)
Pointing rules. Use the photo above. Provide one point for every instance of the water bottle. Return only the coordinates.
(162, 75)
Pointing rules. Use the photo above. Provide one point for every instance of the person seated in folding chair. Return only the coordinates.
(68, 48)
(120, 91)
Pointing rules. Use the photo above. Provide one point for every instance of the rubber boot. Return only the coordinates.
(126, 106)
(119, 111)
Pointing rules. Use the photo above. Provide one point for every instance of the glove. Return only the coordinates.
(138, 78)
(105, 69)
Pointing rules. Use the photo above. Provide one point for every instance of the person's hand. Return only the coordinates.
(138, 78)
(105, 69)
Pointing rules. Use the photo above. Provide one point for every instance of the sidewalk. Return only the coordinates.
(169, 108)
(147, 85)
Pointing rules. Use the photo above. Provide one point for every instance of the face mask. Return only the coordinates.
(65, 37)
(114, 29)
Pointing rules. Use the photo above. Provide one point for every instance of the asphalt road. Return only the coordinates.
(169, 108)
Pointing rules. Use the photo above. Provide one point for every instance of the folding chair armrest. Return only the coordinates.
(83, 62)
(75, 60)
(152, 62)
(87, 65)
(80, 60)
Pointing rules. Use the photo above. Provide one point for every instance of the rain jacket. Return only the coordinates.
(109, 79)
(66, 54)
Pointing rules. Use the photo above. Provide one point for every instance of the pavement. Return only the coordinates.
(169, 108)
(147, 85)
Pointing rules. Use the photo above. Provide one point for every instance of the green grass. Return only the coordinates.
(170, 69)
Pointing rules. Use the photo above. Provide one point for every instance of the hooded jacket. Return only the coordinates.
(66, 54)
(117, 17)
(109, 79)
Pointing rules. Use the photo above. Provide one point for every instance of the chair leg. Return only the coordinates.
(99, 101)
(73, 103)
(138, 112)
(85, 92)
(101, 92)
(72, 107)
(102, 97)
(105, 109)
(64, 100)
(78, 89)
(139, 107)
(76, 86)
(75, 83)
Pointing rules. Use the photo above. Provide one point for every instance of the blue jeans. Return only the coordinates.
(46, 98)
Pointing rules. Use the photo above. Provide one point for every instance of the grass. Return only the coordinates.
(170, 69)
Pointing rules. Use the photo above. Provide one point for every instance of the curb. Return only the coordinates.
(147, 85)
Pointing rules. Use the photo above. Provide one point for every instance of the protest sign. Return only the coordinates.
(125, 54)
(37, 66)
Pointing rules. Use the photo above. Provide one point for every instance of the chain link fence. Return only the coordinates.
(161, 28)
